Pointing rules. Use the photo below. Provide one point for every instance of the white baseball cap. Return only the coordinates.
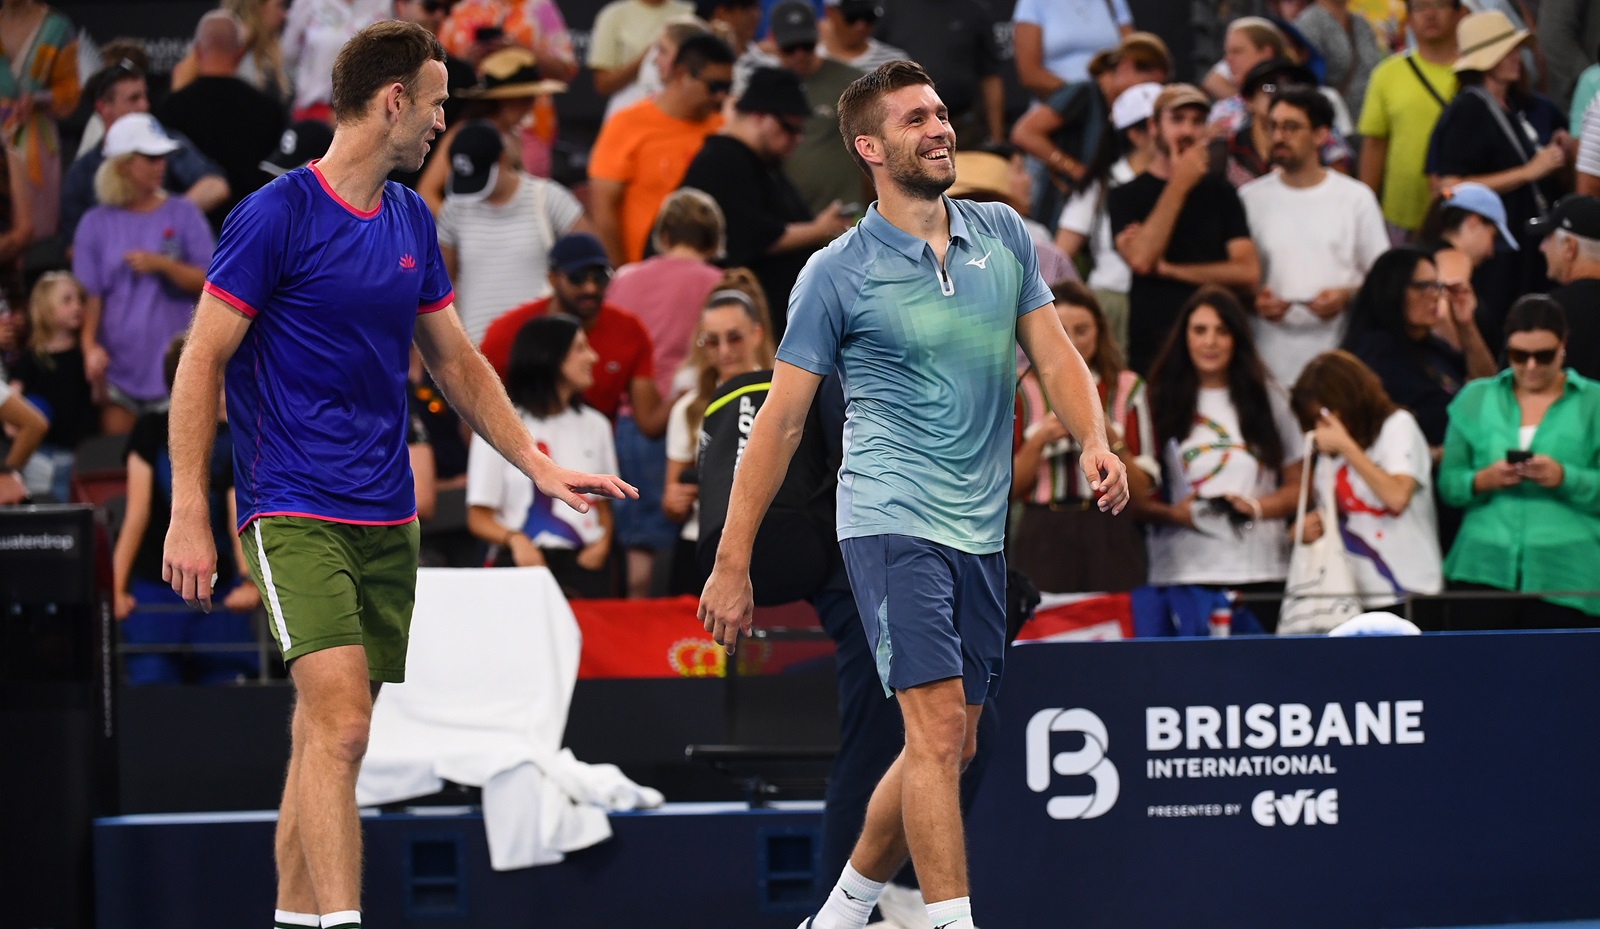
(1136, 105)
(138, 132)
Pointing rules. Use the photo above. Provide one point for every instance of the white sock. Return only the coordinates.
(951, 914)
(283, 919)
(344, 919)
(849, 904)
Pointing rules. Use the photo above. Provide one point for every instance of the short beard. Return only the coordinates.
(914, 182)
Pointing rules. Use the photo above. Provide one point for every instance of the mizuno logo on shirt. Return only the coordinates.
(982, 264)
(407, 263)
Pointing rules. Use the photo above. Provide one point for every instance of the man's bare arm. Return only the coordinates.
(475, 391)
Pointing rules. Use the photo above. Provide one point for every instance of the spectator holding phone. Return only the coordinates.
(1230, 456)
(1522, 457)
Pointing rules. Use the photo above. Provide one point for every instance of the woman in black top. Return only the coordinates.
(1496, 133)
(1391, 330)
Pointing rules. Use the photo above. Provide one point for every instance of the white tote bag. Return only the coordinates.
(1321, 590)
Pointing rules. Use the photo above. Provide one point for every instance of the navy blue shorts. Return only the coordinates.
(931, 612)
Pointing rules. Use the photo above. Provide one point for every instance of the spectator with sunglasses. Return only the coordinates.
(821, 169)
(1392, 331)
(847, 34)
(643, 150)
(580, 272)
(770, 229)
(1522, 457)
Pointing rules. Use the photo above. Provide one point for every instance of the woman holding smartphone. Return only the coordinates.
(1522, 458)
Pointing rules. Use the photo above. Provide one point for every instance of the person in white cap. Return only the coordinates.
(141, 255)
(1085, 220)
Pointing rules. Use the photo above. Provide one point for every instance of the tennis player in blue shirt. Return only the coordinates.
(321, 283)
(920, 308)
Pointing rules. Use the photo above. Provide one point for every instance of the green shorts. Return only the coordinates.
(326, 584)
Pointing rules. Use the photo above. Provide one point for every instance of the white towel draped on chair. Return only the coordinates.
(489, 678)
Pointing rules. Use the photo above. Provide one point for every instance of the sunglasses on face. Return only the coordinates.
(435, 6)
(793, 130)
(1543, 357)
(714, 342)
(856, 19)
(715, 88)
(1426, 288)
(601, 276)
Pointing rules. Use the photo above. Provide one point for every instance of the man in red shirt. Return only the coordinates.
(580, 271)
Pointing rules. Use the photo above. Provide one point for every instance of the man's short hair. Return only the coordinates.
(389, 52)
(219, 31)
(101, 85)
(861, 105)
(697, 51)
(1310, 101)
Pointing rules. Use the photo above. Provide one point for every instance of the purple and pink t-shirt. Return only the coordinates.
(317, 388)
(140, 313)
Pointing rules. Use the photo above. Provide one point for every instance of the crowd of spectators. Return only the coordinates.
(1344, 228)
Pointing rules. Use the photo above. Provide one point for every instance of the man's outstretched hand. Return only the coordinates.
(569, 487)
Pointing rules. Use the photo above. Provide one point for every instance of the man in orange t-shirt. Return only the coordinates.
(643, 150)
(625, 371)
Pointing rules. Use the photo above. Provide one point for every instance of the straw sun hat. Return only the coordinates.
(1484, 39)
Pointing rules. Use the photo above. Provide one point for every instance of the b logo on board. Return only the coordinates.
(1090, 760)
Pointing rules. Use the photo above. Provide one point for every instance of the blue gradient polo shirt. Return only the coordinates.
(928, 359)
(317, 389)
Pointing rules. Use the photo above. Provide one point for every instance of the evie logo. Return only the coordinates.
(407, 263)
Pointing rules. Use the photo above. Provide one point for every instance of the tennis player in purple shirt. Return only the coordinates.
(321, 283)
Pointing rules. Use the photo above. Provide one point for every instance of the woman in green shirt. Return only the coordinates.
(1522, 458)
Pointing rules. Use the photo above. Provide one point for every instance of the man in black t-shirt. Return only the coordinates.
(1178, 225)
(1571, 246)
(770, 229)
(227, 119)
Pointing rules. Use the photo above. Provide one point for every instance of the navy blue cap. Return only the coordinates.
(578, 251)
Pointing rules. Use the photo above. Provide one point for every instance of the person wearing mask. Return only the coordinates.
(1391, 331)
(1058, 512)
(1177, 225)
(1570, 241)
(1071, 132)
(1230, 452)
(1085, 220)
(1496, 134)
(580, 273)
(820, 167)
(1054, 40)
(1348, 46)
(846, 32)
(228, 120)
(1520, 458)
(769, 228)
(642, 152)
(1317, 231)
(1373, 462)
(621, 38)
(1405, 96)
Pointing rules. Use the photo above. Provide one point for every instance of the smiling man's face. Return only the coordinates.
(918, 142)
